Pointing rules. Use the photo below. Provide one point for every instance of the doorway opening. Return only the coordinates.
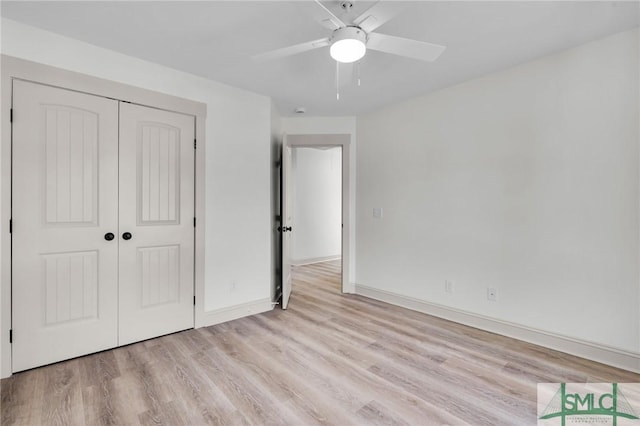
(315, 209)
(316, 187)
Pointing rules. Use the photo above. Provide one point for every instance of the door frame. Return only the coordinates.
(342, 140)
(13, 68)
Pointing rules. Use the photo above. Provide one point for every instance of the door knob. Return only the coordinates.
(126, 236)
(109, 236)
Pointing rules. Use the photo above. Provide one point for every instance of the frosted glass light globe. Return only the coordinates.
(348, 44)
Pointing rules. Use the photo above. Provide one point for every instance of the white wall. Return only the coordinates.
(317, 205)
(238, 226)
(332, 125)
(525, 180)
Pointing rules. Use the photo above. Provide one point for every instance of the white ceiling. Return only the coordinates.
(216, 39)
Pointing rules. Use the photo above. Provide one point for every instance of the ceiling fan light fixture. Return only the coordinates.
(348, 44)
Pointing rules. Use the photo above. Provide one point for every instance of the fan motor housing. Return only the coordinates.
(349, 32)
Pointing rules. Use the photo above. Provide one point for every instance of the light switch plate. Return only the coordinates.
(377, 212)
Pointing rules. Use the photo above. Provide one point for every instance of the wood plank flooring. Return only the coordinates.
(329, 359)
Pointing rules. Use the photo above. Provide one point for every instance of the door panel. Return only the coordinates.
(159, 274)
(157, 208)
(70, 286)
(159, 184)
(286, 223)
(64, 273)
(71, 164)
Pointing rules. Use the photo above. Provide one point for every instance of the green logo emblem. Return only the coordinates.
(586, 405)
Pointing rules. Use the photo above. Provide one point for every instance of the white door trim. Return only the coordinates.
(14, 68)
(344, 141)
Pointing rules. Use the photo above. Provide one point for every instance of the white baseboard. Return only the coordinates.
(596, 352)
(299, 262)
(219, 316)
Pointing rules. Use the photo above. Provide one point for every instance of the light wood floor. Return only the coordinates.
(329, 359)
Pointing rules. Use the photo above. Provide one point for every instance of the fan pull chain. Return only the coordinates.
(337, 80)
(358, 72)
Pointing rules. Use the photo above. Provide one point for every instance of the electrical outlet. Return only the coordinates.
(492, 294)
(232, 286)
(448, 286)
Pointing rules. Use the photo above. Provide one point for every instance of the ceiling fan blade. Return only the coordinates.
(291, 50)
(334, 18)
(405, 47)
(378, 14)
(330, 24)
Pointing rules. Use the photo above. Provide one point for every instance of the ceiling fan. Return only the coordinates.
(349, 42)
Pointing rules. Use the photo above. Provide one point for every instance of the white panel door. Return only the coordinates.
(64, 282)
(156, 222)
(286, 223)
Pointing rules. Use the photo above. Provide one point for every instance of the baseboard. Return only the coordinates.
(299, 262)
(219, 316)
(596, 352)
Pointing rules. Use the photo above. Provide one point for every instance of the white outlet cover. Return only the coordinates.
(377, 212)
(448, 286)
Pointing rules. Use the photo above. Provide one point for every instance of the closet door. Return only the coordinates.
(65, 205)
(156, 222)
